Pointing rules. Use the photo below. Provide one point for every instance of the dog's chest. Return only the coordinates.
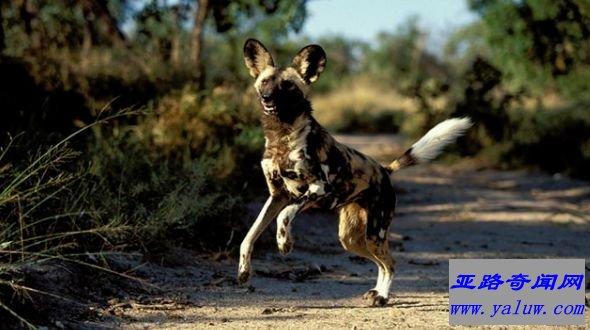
(284, 177)
(287, 163)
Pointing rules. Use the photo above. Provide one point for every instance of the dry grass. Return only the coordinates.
(360, 96)
(549, 100)
(367, 100)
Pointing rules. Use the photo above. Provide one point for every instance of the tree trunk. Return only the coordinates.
(107, 24)
(26, 13)
(175, 42)
(197, 41)
(2, 44)
(86, 47)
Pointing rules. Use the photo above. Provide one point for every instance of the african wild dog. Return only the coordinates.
(306, 168)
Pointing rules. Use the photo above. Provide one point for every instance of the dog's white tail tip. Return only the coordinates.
(436, 139)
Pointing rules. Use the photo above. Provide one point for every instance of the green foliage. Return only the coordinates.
(543, 43)
(53, 208)
(401, 59)
(555, 141)
(343, 60)
(131, 193)
(465, 44)
(267, 20)
(223, 126)
(370, 121)
(191, 144)
(396, 54)
(162, 203)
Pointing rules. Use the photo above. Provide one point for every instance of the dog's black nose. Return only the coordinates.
(266, 97)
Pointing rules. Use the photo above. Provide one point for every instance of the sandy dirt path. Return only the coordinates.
(443, 212)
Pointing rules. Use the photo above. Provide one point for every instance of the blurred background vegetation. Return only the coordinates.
(131, 125)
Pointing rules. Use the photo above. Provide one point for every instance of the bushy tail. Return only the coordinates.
(432, 143)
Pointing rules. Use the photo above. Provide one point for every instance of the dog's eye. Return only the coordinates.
(288, 85)
(264, 81)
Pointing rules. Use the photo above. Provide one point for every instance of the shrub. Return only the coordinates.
(557, 141)
(120, 194)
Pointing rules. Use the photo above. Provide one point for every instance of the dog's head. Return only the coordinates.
(283, 90)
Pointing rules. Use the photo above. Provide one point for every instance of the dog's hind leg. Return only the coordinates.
(377, 244)
(380, 250)
(272, 207)
(352, 231)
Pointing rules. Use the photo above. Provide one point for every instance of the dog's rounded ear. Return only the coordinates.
(256, 57)
(310, 61)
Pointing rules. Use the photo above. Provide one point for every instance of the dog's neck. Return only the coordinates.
(280, 136)
(276, 130)
(287, 122)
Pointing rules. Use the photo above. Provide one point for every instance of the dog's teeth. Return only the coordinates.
(269, 109)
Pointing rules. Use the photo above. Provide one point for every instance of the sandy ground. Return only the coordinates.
(443, 212)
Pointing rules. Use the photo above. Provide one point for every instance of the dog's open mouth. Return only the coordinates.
(269, 107)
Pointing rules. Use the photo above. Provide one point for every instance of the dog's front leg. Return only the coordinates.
(272, 207)
(284, 240)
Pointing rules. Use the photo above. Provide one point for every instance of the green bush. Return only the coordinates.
(556, 141)
(173, 176)
(182, 167)
(369, 122)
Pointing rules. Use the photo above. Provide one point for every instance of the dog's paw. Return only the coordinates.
(285, 247)
(369, 295)
(375, 298)
(379, 301)
(243, 277)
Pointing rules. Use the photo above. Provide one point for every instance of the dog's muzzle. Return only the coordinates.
(268, 104)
